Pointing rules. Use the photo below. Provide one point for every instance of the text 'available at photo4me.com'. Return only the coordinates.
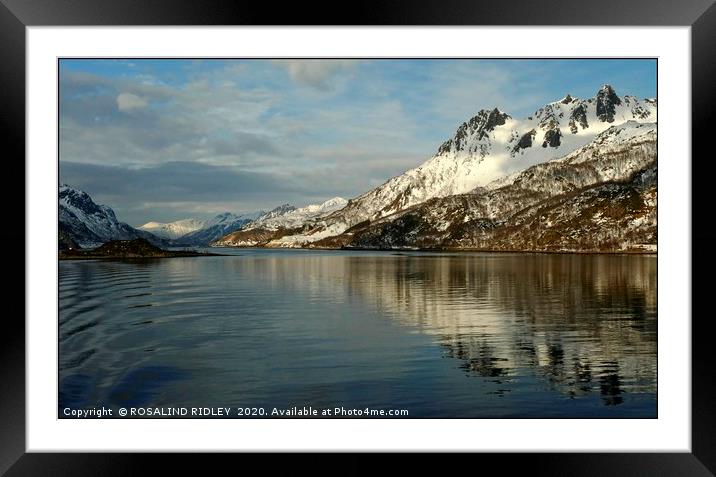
(230, 412)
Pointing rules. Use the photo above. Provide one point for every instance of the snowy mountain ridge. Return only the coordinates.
(602, 196)
(217, 227)
(489, 148)
(287, 216)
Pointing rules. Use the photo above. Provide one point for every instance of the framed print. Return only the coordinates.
(399, 234)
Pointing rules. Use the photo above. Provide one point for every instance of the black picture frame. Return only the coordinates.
(700, 15)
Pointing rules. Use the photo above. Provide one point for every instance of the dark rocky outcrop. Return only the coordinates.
(607, 99)
(578, 116)
(494, 119)
(525, 141)
(552, 138)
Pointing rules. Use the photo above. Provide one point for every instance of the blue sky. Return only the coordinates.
(170, 139)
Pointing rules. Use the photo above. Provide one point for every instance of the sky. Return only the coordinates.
(169, 139)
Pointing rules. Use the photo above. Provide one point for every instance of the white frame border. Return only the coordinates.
(670, 432)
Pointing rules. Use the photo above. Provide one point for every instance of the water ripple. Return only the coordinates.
(450, 335)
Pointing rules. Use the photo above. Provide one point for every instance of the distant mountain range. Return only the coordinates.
(196, 232)
(577, 175)
(173, 230)
(200, 232)
(279, 222)
(86, 224)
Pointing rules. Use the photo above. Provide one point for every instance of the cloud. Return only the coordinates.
(165, 140)
(136, 192)
(240, 137)
(317, 74)
(129, 102)
(248, 142)
(125, 120)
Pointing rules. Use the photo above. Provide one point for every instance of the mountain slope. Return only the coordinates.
(512, 215)
(279, 222)
(287, 217)
(173, 230)
(490, 146)
(217, 227)
(613, 217)
(84, 223)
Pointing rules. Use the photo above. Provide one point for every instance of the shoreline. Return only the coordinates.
(89, 256)
(92, 255)
(457, 250)
(480, 250)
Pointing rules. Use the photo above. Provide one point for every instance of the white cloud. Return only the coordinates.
(128, 102)
(316, 73)
(271, 118)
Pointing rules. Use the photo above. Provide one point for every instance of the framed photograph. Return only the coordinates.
(423, 231)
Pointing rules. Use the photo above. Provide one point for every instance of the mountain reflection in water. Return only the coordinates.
(443, 335)
(581, 322)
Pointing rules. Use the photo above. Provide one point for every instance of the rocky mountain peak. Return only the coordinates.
(494, 118)
(477, 127)
(606, 89)
(606, 100)
(80, 200)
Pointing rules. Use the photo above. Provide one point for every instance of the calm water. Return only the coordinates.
(441, 335)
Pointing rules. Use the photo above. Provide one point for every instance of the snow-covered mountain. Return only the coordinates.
(288, 217)
(217, 227)
(490, 146)
(173, 230)
(87, 224)
(601, 196)
(84, 223)
(578, 174)
(279, 221)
